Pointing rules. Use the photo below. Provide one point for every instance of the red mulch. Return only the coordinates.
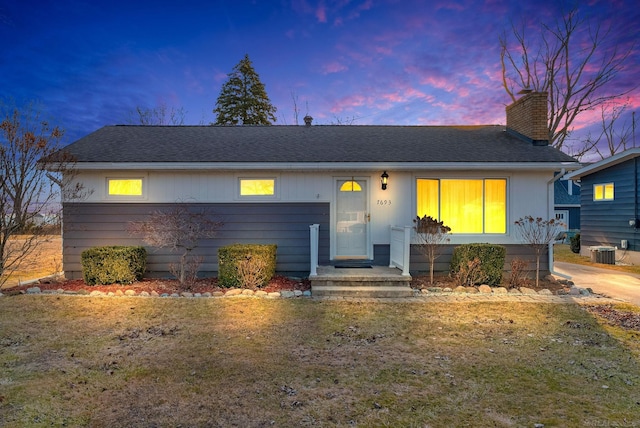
(277, 283)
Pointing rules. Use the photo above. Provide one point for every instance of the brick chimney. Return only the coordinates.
(527, 118)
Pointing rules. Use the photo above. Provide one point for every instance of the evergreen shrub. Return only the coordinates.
(491, 259)
(246, 265)
(113, 264)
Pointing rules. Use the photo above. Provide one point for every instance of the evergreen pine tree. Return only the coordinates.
(243, 99)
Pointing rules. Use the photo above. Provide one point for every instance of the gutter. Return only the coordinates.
(317, 166)
(550, 183)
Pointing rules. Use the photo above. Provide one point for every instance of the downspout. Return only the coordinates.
(551, 201)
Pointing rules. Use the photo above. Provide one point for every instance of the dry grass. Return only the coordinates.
(45, 260)
(135, 362)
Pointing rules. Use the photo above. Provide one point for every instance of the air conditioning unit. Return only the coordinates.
(605, 255)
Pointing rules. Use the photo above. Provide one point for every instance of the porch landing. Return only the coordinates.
(377, 281)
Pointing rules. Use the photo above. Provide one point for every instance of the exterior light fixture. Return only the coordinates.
(384, 178)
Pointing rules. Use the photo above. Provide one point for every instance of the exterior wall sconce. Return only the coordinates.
(384, 179)
(635, 223)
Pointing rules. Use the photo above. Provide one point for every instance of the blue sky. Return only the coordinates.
(397, 62)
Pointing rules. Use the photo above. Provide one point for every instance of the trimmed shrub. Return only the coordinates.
(491, 259)
(246, 265)
(113, 265)
(574, 243)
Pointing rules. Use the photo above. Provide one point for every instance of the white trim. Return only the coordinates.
(603, 164)
(276, 188)
(326, 166)
(125, 198)
(483, 178)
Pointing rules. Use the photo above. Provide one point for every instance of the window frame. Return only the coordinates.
(484, 208)
(144, 184)
(604, 192)
(274, 196)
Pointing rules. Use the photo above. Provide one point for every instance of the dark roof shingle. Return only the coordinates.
(301, 144)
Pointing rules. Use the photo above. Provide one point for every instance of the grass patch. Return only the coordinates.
(45, 260)
(81, 361)
(563, 253)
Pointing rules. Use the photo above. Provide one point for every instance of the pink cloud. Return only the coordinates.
(334, 67)
(438, 82)
(321, 13)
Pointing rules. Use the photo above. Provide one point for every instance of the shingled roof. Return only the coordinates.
(309, 144)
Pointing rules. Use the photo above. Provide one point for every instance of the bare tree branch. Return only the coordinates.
(572, 61)
(27, 192)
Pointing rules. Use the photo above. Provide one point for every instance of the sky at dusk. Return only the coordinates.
(392, 62)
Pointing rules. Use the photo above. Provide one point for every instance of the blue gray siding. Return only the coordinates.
(284, 224)
(420, 264)
(607, 222)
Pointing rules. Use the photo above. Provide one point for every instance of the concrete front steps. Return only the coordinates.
(377, 282)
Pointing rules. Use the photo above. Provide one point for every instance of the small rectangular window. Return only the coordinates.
(603, 192)
(257, 187)
(124, 186)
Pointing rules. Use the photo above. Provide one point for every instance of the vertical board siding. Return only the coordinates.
(420, 264)
(607, 222)
(89, 225)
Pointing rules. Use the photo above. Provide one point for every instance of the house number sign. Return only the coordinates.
(383, 202)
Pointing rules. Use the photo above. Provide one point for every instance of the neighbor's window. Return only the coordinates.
(603, 192)
(466, 206)
(124, 186)
(257, 187)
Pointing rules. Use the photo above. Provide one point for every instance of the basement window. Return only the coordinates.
(603, 192)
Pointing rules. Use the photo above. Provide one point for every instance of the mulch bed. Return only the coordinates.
(277, 283)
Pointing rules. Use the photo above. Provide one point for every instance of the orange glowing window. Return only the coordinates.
(124, 186)
(603, 192)
(465, 205)
(257, 187)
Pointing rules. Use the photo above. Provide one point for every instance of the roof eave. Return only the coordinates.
(322, 166)
(603, 164)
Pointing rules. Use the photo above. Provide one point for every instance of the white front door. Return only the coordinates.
(352, 219)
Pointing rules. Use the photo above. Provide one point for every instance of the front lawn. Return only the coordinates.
(144, 362)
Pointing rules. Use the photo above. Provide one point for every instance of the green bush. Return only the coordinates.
(491, 259)
(113, 265)
(246, 265)
(574, 243)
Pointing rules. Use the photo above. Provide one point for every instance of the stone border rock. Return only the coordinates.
(234, 292)
(288, 294)
(573, 291)
(487, 290)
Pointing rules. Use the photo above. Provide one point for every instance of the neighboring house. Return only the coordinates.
(268, 184)
(609, 213)
(567, 204)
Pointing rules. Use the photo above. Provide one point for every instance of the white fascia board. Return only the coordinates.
(326, 166)
(604, 163)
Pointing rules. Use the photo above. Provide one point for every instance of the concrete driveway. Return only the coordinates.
(610, 283)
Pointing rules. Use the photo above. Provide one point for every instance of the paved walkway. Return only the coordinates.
(607, 282)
